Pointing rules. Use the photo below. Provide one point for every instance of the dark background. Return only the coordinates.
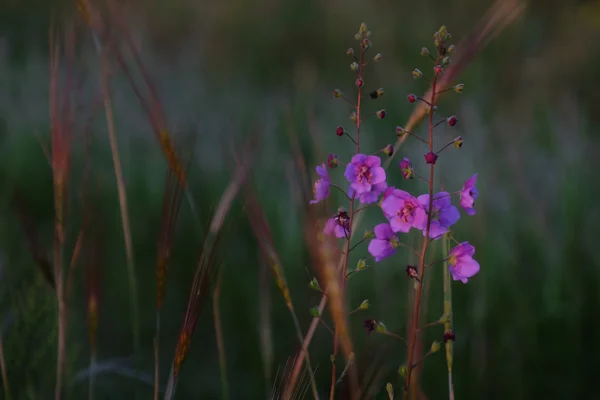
(527, 325)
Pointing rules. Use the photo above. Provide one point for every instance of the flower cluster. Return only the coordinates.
(432, 214)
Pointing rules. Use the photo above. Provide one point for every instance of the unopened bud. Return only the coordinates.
(425, 51)
(368, 34)
(417, 73)
(339, 131)
(363, 28)
(452, 120)
(450, 335)
(350, 52)
(378, 57)
(381, 328)
(451, 48)
(354, 67)
(437, 69)
(315, 312)
(375, 94)
(446, 61)
(412, 98)
(459, 88)
(411, 271)
(403, 371)
(353, 117)
(428, 109)
(400, 131)
(332, 161)
(388, 150)
(364, 305)
(381, 114)
(359, 82)
(361, 265)
(431, 158)
(458, 142)
(435, 346)
(357, 36)
(314, 284)
(366, 43)
(368, 234)
(443, 31)
(337, 93)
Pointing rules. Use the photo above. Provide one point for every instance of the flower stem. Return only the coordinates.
(448, 315)
(421, 269)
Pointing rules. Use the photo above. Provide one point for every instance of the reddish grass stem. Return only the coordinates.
(421, 269)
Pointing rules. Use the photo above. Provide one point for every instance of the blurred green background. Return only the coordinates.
(527, 326)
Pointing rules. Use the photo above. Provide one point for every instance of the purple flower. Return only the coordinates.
(468, 195)
(338, 226)
(372, 196)
(364, 172)
(385, 242)
(321, 186)
(444, 214)
(333, 228)
(407, 169)
(462, 265)
(403, 211)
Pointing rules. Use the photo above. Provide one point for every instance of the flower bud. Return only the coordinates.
(314, 284)
(388, 150)
(450, 335)
(417, 73)
(364, 305)
(428, 109)
(458, 142)
(400, 131)
(332, 161)
(337, 93)
(452, 120)
(403, 371)
(361, 265)
(339, 131)
(407, 169)
(366, 43)
(354, 67)
(375, 94)
(412, 98)
(451, 49)
(443, 31)
(381, 328)
(435, 347)
(431, 158)
(437, 69)
(411, 271)
(425, 51)
(368, 34)
(459, 88)
(359, 82)
(357, 36)
(369, 234)
(378, 57)
(363, 28)
(315, 312)
(353, 117)
(381, 114)
(350, 52)
(446, 61)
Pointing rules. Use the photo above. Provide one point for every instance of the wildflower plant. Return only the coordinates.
(433, 213)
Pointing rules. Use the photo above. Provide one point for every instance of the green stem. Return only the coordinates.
(448, 315)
